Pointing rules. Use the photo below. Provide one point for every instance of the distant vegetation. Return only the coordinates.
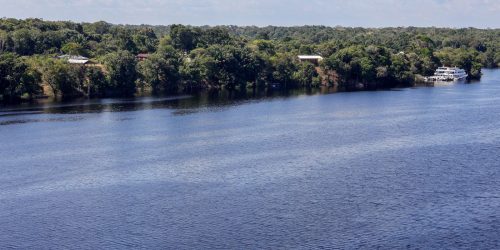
(186, 59)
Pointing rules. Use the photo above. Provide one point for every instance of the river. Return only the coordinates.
(415, 168)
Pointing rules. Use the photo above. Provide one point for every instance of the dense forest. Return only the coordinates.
(186, 59)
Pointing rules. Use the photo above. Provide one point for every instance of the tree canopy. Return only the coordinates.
(185, 58)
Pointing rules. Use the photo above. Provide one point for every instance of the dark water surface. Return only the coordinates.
(414, 168)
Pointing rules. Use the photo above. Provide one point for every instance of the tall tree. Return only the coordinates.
(122, 73)
(161, 70)
(184, 38)
(17, 78)
(63, 79)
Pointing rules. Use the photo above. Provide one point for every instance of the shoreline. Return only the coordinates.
(206, 97)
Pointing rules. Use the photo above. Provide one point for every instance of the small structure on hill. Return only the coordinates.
(75, 59)
(315, 59)
(78, 61)
(142, 56)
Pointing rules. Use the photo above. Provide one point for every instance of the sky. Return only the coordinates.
(358, 13)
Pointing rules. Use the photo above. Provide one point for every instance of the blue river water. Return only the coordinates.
(415, 168)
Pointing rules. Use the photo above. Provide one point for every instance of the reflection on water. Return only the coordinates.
(181, 105)
(401, 169)
(21, 121)
(187, 104)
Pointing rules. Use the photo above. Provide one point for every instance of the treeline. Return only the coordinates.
(185, 59)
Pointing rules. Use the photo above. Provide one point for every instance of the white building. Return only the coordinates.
(311, 58)
(75, 59)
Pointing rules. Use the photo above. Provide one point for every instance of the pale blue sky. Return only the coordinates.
(366, 13)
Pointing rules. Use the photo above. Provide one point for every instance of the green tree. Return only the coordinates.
(62, 78)
(31, 82)
(96, 82)
(192, 74)
(400, 69)
(161, 71)
(122, 73)
(145, 40)
(17, 78)
(74, 49)
(4, 40)
(284, 66)
(184, 38)
(305, 74)
(232, 66)
(24, 41)
(213, 36)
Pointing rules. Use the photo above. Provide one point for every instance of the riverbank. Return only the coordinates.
(213, 98)
(105, 60)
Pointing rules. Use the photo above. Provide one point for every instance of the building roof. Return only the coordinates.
(78, 61)
(310, 57)
(74, 59)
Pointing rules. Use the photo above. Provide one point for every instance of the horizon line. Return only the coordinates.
(253, 25)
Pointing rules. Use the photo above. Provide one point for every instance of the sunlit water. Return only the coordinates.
(412, 168)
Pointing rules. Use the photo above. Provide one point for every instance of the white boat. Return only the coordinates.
(448, 74)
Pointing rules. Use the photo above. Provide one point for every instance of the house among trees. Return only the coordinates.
(75, 59)
(141, 57)
(78, 60)
(311, 58)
